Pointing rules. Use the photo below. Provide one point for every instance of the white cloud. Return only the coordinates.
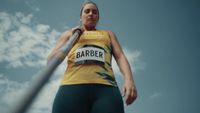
(32, 5)
(42, 28)
(11, 89)
(23, 18)
(5, 22)
(133, 59)
(155, 95)
(24, 44)
(43, 103)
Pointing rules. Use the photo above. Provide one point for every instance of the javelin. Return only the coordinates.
(44, 75)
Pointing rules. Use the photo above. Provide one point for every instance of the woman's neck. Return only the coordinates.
(86, 28)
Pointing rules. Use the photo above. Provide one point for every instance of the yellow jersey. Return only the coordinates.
(89, 60)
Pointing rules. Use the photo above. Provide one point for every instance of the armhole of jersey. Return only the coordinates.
(107, 32)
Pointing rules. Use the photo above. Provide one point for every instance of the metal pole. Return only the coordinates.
(44, 75)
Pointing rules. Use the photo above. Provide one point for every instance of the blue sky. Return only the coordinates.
(159, 37)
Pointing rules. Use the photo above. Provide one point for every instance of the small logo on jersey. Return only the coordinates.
(90, 55)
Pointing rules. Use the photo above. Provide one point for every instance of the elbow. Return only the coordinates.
(118, 56)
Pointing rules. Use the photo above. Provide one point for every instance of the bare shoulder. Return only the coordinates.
(111, 35)
(66, 34)
(117, 50)
(110, 32)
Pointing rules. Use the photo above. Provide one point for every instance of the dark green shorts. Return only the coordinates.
(88, 98)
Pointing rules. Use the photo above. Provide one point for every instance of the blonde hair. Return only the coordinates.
(88, 2)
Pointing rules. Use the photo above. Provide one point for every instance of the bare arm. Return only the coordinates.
(62, 40)
(129, 89)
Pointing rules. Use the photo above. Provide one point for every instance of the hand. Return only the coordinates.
(77, 27)
(129, 92)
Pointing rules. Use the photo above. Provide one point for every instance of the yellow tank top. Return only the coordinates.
(89, 60)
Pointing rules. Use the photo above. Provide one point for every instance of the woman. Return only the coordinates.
(89, 85)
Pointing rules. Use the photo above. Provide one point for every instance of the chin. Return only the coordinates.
(91, 25)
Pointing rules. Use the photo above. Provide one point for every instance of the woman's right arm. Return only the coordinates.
(62, 40)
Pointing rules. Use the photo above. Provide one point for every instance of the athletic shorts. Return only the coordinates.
(88, 98)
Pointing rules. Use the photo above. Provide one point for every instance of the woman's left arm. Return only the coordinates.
(129, 88)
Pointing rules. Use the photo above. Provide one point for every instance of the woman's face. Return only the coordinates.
(90, 15)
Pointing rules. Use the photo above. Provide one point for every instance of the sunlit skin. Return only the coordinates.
(89, 18)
